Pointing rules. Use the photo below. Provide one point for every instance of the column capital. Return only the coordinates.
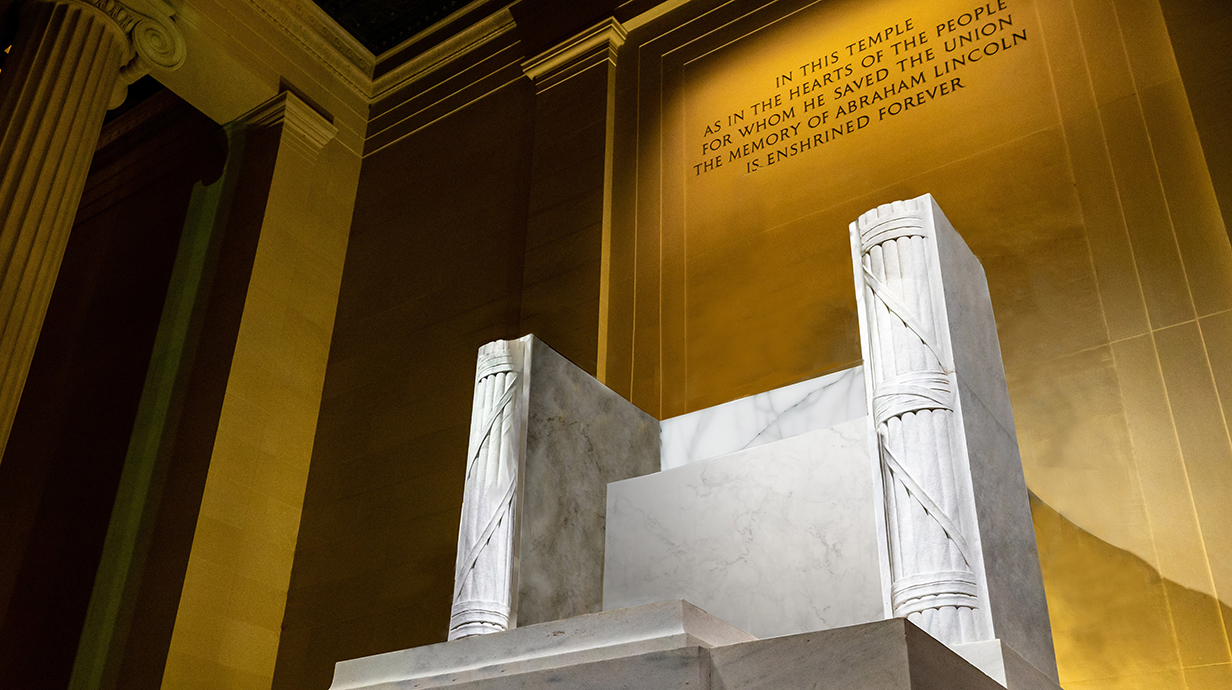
(148, 33)
(581, 51)
(308, 130)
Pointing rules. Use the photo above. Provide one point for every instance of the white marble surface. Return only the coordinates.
(547, 438)
(945, 303)
(660, 627)
(763, 418)
(675, 645)
(482, 595)
(935, 578)
(777, 539)
(1007, 535)
(580, 435)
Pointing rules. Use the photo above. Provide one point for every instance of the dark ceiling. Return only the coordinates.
(383, 24)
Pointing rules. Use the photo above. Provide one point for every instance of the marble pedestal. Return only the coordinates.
(960, 556)
(580, 436)
(550, 647)
(675, 645)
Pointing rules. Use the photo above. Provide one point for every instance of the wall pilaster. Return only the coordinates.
(229, 617)
(568, 235)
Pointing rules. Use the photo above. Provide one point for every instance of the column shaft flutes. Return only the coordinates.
(54, 91)
(70, 61)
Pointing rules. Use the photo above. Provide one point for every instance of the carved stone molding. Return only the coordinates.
(332, 46)
(323, 38)
(591, 47)
(471, 38)
(303, 128)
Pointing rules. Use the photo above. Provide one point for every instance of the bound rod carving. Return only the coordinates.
(933, 574)
(483, 580)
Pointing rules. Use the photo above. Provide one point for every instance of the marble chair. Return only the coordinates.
(893, 489)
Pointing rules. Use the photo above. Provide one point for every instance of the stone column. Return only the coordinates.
(285, 234)
(71, 60)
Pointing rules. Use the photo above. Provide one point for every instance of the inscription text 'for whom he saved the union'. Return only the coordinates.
(879, 76)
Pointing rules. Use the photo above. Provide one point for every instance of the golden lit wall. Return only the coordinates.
(1057, 136)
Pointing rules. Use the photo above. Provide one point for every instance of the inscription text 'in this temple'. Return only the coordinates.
(881, 75)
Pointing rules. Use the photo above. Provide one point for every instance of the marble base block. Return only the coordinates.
(885, 655)
(672, 645)
(776, 539)
(763, 418)
(655, 629)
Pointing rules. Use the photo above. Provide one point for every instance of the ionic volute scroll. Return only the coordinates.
(148, 30)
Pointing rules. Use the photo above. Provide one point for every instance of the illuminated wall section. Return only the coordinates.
(1058, 138)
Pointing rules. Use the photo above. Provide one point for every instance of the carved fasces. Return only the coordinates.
(933, 569)
(484, 579)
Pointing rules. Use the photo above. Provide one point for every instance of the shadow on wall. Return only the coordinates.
(1118, 625)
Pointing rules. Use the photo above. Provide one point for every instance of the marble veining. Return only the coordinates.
(775, 539)
(763, 418)
(580, 435)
